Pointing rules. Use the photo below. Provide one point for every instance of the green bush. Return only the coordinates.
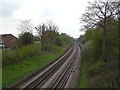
(101, 80)
(97, 44)
(88, 35)
(59, 41)
(93, 68)
(111, 45)
(27, 51)
(51, 48)
(26, 38)
(16, 55)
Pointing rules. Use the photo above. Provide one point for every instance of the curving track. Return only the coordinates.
(60, 73)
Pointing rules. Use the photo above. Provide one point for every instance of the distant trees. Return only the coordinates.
(98, 14)
(59, 41)
(36, 38)
(47, 33)
(65, 38)
(88, 34)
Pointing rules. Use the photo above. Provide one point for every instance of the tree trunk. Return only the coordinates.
(104, 39)
(104, 46)
(119, 42)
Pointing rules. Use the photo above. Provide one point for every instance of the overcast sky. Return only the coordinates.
(65, 13)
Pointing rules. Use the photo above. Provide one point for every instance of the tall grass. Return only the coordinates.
(15, 56)
(86, 54)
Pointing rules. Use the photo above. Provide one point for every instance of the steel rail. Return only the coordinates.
(46, 75)
(61, 80)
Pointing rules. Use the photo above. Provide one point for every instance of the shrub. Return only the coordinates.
(51, 48)
(93, 68)
(100, 74)
(26, 38)
(59, 41)
(97, 45)
(16, 55)
(27, 51)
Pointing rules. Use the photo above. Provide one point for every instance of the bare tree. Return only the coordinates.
(41, 31)
(52, 29)
(26, 26)
(47, 33)
(98, 14)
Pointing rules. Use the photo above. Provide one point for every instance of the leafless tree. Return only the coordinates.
(52, 31)
(26, 26)
(98, 14)
(41, 31)
(47, 33)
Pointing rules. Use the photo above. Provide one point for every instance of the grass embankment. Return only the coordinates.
(84, 67)
(23, 65)
(95, 72)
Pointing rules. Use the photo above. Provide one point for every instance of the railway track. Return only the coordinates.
(59, 73)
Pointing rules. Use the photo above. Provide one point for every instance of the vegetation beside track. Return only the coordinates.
(29, 55)
(100, 54)
(26, 66)
(95, 72)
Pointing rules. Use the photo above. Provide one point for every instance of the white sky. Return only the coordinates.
(65, 13)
